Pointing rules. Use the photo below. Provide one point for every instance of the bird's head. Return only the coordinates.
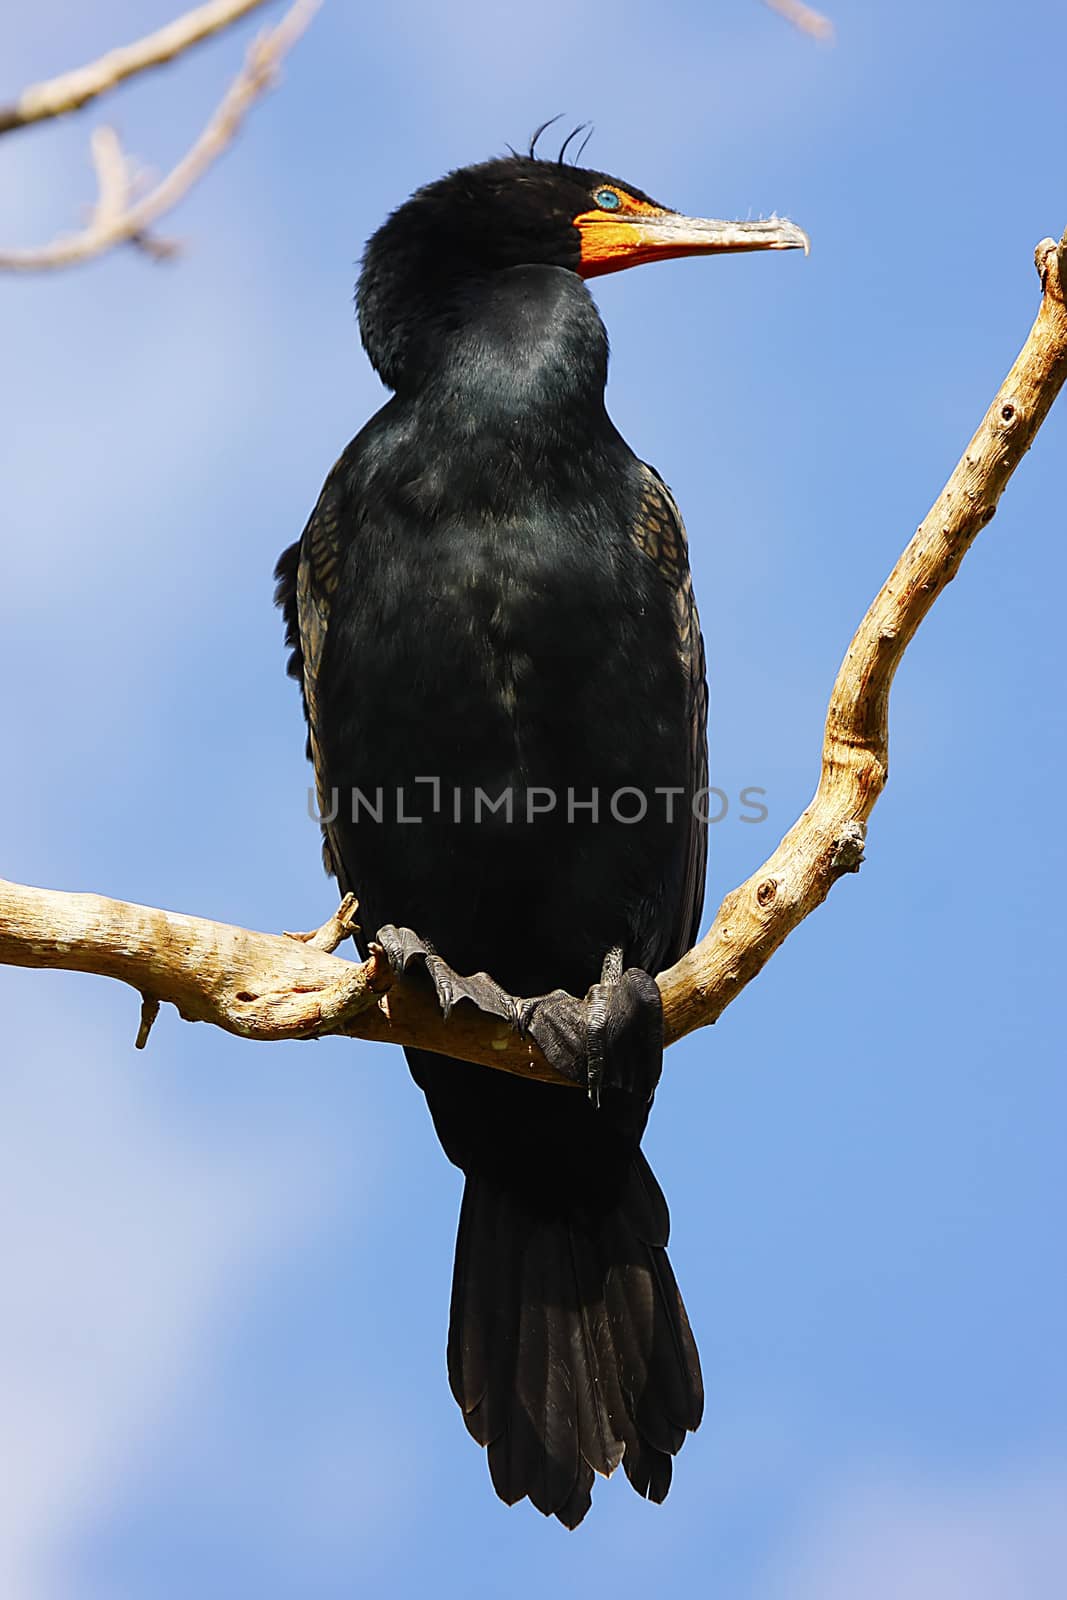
(521, 211)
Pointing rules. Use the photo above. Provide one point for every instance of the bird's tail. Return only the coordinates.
(569, 1348)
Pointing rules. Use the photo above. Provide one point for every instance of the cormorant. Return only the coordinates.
(494, 630)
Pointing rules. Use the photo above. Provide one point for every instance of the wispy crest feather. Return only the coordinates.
(561, 159)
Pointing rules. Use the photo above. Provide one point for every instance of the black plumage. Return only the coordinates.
(492, 597)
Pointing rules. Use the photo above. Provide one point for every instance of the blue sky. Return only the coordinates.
(226, 1267)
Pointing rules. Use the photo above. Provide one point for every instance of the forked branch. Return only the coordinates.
(266, 986)
(119, 216)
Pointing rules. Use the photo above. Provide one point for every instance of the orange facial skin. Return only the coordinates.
(612, 240)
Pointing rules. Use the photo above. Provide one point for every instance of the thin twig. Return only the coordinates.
(56, 96)
(149, 1013)
(134, 222)
(264, 986)
(112, 177)
(334, 931)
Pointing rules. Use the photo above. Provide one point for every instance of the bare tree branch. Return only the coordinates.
(118, 218)
(266, 986)
(258, 985)
(827, 840)
(57, 96)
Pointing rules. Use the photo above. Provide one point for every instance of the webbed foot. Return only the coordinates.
(404, 949)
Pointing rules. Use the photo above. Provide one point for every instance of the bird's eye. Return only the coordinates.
(607, 200)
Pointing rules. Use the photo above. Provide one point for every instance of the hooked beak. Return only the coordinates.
(614, 240)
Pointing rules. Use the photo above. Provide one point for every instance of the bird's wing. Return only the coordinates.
(660, 533)
(308, 575)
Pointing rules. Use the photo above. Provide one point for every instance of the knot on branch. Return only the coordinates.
(848, 849)
(1050, 259)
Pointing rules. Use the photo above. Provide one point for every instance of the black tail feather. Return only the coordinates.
(569, 1347)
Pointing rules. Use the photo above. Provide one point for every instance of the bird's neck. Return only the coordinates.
(517, 394)
(523, 346)
(532, 333)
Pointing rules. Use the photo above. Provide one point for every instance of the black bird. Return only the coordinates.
(494, 631)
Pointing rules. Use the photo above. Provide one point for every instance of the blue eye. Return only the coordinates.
(607, 200)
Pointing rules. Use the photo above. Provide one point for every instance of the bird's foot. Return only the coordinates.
(404, 949)
(610, 1042)
(613, 1037)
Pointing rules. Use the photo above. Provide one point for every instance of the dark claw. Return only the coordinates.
(442, 976)
(597, 1006)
